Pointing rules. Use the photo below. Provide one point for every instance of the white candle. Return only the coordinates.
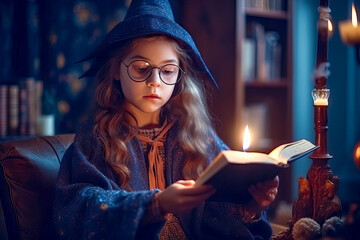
(45, 125)
(321, 102)
(350, 30)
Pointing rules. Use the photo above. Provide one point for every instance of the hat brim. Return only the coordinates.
(141, 26)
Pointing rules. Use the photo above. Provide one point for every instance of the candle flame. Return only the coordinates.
(247, 139)
(353, 16)
(330, 26)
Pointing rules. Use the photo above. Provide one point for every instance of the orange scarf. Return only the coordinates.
(156, 163)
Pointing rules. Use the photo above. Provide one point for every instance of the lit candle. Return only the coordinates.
(247, 139)
(349, 30)
(330, 28)
(321, 102)
(321, 96)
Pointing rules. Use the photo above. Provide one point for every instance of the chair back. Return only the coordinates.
(28, 170)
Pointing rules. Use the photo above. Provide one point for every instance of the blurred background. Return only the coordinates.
(261, 52)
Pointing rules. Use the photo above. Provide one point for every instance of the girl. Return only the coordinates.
(130, 172)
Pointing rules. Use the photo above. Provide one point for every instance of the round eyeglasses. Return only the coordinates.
(141, 70)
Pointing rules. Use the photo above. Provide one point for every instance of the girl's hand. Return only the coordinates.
(183, 196)
(264, 193)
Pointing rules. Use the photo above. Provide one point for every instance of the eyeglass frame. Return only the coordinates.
(182, 72)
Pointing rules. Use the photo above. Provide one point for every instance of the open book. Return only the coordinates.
(232, 172)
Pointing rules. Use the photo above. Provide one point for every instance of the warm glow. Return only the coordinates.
(247, 139)
(353, 16)
(330, 26)
(357, 153)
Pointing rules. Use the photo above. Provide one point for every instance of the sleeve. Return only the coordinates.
(223, 220)
(89, 205)
(153, 213)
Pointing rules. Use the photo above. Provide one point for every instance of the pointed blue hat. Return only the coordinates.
(143, 18)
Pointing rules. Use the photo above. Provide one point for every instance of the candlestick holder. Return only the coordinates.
(320, 96)
(322, 201)
(317, 195)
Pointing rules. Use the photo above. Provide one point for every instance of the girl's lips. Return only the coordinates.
(152, 96)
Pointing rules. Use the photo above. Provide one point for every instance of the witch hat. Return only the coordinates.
(143, 18)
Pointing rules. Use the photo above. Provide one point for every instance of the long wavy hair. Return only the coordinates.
(187, 106)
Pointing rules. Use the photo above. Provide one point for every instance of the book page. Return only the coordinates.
(293, 150)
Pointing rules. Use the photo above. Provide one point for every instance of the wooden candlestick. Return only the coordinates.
(317, 195)
(325, 201)
(322, 200)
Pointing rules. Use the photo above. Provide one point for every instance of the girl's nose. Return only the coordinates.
(154, 80)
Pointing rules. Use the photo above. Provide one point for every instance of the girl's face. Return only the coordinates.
(145, 99)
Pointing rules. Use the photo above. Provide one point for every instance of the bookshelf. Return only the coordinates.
(267, 94)
(268, 29)
(221, 29)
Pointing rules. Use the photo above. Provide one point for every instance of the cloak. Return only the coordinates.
(89, 204)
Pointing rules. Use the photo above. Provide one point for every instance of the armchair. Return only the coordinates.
(28, 170)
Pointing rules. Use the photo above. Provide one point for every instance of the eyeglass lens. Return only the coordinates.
(140, 70)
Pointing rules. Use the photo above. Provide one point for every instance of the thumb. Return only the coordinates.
(186, 182)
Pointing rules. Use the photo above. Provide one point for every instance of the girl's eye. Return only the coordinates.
(142, 69)
(169, 70)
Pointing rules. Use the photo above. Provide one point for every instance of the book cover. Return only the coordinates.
(232, 172)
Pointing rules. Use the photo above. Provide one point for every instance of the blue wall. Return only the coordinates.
(344, 102)
(304, 46)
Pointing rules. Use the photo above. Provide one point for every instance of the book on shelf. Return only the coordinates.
(265, 48)
(23, 109)
(248, 60)
(20, 106)
(31, 99)
(274, 5)
(3, 109)
(233, 172)
(13, 109)
(259, 31)
(272, 56)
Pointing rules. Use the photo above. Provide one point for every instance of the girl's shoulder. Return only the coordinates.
(84, 130)
(85, 137)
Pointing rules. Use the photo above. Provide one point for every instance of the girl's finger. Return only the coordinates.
(196, 199)
(199, 190)
(186, 182)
